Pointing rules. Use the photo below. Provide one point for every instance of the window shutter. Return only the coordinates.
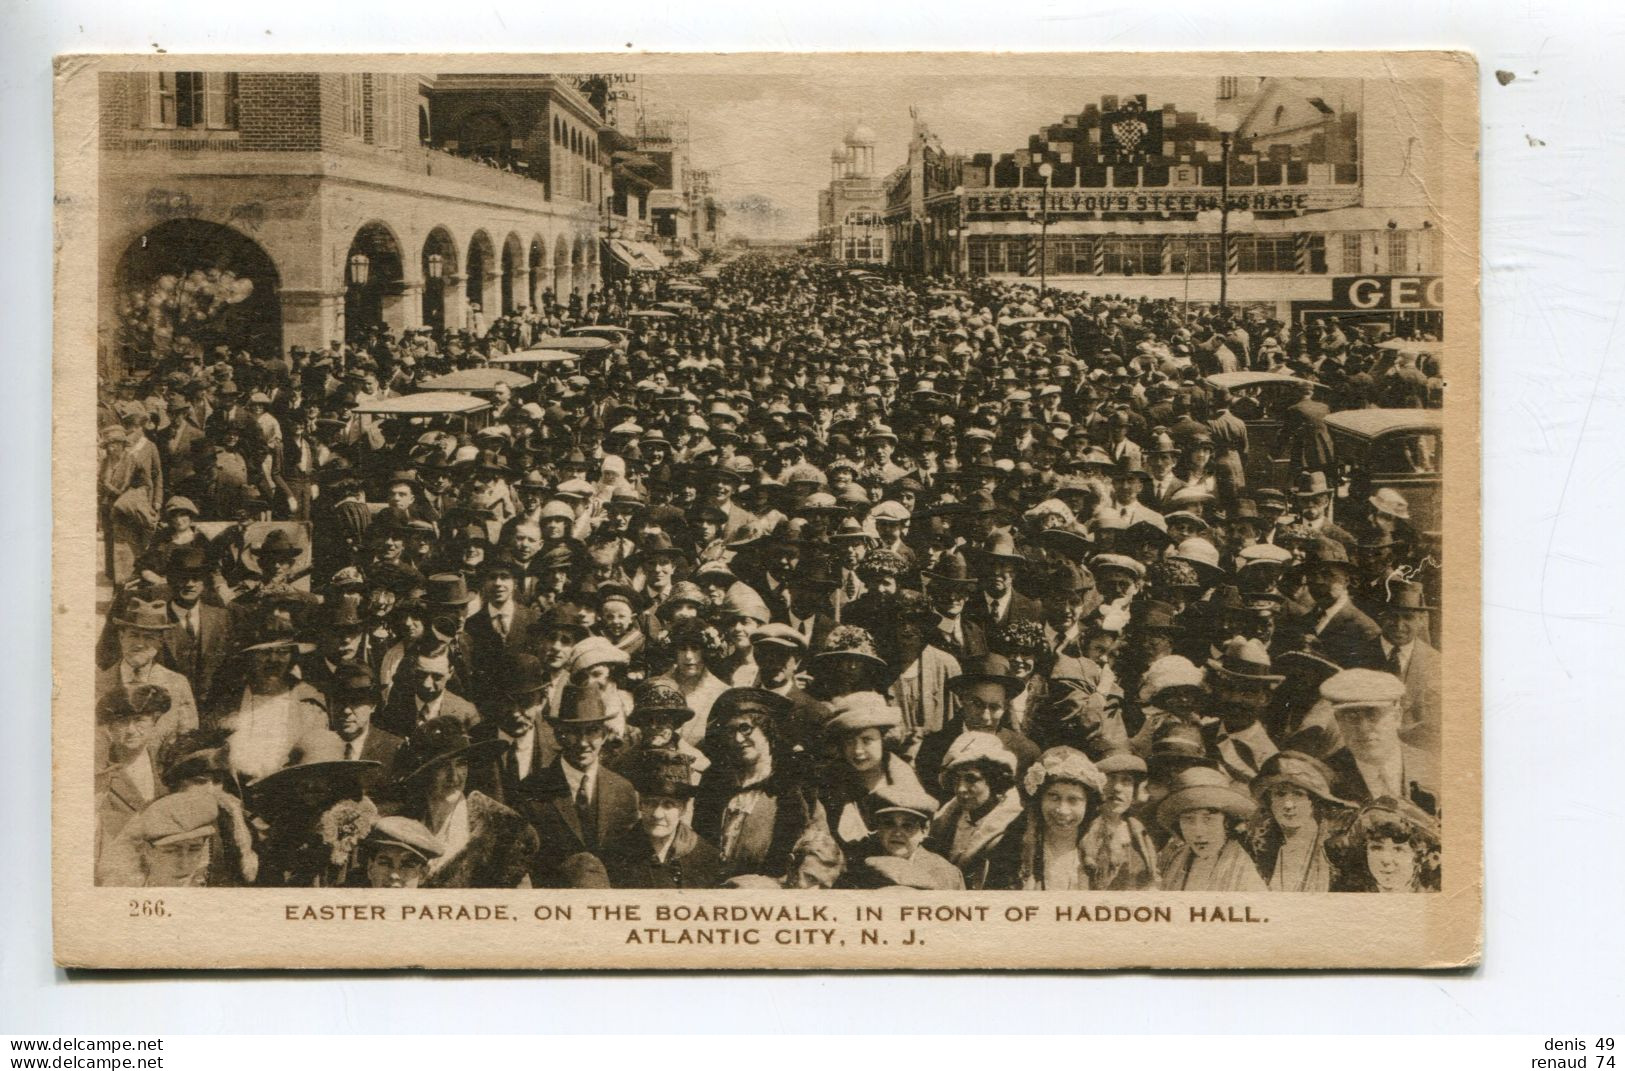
(161, 100)
(214, 100)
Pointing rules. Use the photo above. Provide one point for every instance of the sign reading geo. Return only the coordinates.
(1388, 292)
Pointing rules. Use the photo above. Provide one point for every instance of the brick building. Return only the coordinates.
(347, 199)
(851, 209)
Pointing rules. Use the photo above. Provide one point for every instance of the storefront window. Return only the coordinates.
(1265, 253)
(1133, 256)
(1194, 256)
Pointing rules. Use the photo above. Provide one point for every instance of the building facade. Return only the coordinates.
(1325, 199)
(338, 201)
(852, 208)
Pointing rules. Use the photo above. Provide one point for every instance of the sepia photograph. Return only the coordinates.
(788, 511)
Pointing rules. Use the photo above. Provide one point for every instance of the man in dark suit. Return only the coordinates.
(1373, 762)
(516, 717)
(996, 601)
(576, 804)
(352, 698)
(195, 646)
(501, 626)
(1304, 437)
(1340, 630)
(419, 693)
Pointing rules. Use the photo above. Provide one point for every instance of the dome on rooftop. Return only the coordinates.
(860, 135)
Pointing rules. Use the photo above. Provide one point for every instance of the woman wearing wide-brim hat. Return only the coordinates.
(1297, 814)
(315, 810)
(487, 845)
(1205, 811)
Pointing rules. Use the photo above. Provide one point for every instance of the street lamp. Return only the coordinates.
(954, 233)
(1045, 170)
(437, 265)
(1227, 124)
(360, 269)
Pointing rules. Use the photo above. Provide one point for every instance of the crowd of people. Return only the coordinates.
(814, 578)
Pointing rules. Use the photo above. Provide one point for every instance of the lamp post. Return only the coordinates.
(1045, 170)
(1227, 127)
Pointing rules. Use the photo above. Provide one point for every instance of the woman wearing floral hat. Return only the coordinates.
(1063, 790)
(1297, 814)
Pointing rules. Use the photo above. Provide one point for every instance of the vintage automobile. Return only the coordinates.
(577, 344)
(452, 408)
(621, 336)
(524, 357)
(1400, 449)
(476, 380)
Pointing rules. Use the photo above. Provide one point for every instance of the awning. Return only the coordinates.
(649, 254)
(630, 256)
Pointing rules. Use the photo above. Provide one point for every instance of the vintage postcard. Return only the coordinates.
(767, 511)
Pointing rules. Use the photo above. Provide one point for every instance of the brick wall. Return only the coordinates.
(279, 112)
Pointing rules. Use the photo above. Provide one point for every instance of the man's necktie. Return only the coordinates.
(584, 812)
(349, 750)
(851, 586)
(501, 623)
(1393, 663)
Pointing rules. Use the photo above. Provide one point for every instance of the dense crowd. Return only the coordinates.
(805, 577)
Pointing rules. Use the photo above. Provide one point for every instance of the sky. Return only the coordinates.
(769, 138)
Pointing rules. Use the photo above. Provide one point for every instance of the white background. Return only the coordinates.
(1554, 651)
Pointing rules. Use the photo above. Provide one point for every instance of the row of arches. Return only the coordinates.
(462, 287)
(215, 285)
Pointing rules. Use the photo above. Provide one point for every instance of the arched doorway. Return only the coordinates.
(187, 282)
(481, 265)
(537, 261)
(439, 269)
(372, 277)
(512, 260)
(561, 270)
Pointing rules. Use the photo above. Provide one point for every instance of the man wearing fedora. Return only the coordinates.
(352, 699)
(576, 804)
(1408, 656)
(141, 627)
(1338, 628)
(996, 602)
(197, 644)
(516, 715)
(1304, 438)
